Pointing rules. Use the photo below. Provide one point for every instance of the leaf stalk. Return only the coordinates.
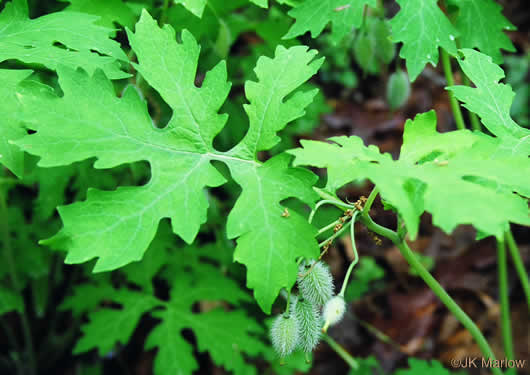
(506, 326)
(437, 289)
(455, 107)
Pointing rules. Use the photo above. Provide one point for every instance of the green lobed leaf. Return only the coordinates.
(87, 297)
(268, 112)
(110, 11)
(422, 27)
(108, 326)
(118, 226)
(314, 15)
(228, 336)
(367, 366)
(10, 155)
(194, 6)
(419, 367)
(491, 100)
(31, 261)
(260, 3)
(455, 176)
(258, 222)
(481, 25)
(62, 38)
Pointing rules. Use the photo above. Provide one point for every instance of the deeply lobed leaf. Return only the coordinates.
(455, 176)
(228, 336)
(88, 120)
(491, 100)
(110, 11)
(10, 155)
(422, 27)
(62, 38)
(314, 15)
(481, 25)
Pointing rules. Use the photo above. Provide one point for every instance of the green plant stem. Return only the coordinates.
(473, 118)
(355, 255)
(10, 261)
(506, 326)
(10, 181)
(163, 14)
(519, 266)
(333, 201)
(437, 289)
(370, 200)
(378, 334)
(328, 227)
(448, 302)
(329, 197)
(455, 107)
(340, 351)
(336, 234)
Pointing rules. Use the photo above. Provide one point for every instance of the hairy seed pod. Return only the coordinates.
(333, 311)
(315, 284)
(284, 334)
(309, 323)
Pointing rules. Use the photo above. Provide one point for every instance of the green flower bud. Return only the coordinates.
(285, 334)
(315, 284)
(308, 317)
(333, 311)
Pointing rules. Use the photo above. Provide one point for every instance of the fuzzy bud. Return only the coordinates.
(316, 283)
(285, 334)
(308, 317)
(333, 311)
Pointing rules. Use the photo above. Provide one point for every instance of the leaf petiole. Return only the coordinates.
(355, 255)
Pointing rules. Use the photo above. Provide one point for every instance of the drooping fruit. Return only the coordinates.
(309, 324)
(285, 334)
(333, 311)
(315, 282)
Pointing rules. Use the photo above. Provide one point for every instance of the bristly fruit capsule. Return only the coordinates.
(285, 334)
(315, 282)
(309, 323)
(333, 311)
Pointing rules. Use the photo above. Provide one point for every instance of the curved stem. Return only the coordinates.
(449, 303)
(370, 200)
(455, 107)
(437, 289)
(355, 256)
(288, 303)
(327, 196)
(519, 265)
(340, 351)
(506, 326)
(328, 227)
(380, 230)
(163, 15)
(335, 235)
(327, 201)
(10, 261)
